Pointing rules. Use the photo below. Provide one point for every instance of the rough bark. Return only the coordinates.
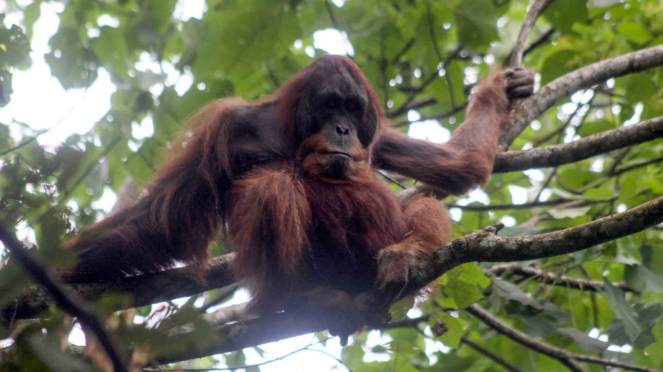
(582, 78)
(555, 155)
(481, 246)
(144, 290)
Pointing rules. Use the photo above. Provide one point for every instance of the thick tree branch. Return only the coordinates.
(486, 246)
(555, 155)
(240, 335)
(581, 78)
(482, 246)
(144, 289)
(551, 351)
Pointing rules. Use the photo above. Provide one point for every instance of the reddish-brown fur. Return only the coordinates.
(295, 227)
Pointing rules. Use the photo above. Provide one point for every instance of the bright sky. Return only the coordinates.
(40, 101)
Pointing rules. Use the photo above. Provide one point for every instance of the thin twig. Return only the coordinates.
(223, 295)
(433, 36)
(508, 366)
(332, 17)
(518, 49)
(408, 45)
(636, 166)
(553, 279)
(562, 355)
(544, 185)
(538, 42)
(391, 179)
(496, 207)
(307, 347)
(23, 144)
(442, 115)
(409, 104)
(561, 129)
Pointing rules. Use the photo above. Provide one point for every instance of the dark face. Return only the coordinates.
(336, 123)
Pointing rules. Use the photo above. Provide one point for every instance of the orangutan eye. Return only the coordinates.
(332, 102)
(353, 105)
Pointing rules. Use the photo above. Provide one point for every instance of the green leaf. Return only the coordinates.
(594, 127)
(31, 14)
(629, 187)
(463, 294)
(634, 32)
(400, 308)
(640, 87)
(598, 194)
(584, 341)
(74, 65)
(242, 37)
(453, 363)
(627, 251)
(453, 325)
(462, 286)
(235, 359)
(6, 89)
(4, 136)
(14, 47)
(648, 316)
(147, 79)
(557, 65)
(46, 350)
(512, 292)
(477, 23)
(473, 274)
(562, 14)
(643, 279)
(622, 309)
(14, 52)
(111, 50)
(353, 354)
(13, 280)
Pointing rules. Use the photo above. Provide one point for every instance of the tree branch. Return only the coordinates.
(496, 207)
(562, 355)
(516, 56)
(581, 78)
(442, 115)
(332, 17)
(489, 354)
(65, 298)
(144, 289)
(555, 155)
(538, 42)
(482, 246)
(553, 279)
